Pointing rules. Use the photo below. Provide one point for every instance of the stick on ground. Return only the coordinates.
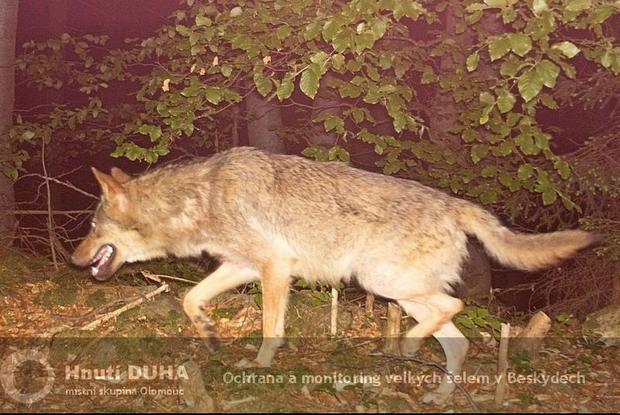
(531, 339)
(334, 314)
(392, 332)
(502, 365)
(370, 305)
(108, 316)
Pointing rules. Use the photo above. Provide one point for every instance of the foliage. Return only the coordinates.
(498, 62)
(473, 319)
(521, 363)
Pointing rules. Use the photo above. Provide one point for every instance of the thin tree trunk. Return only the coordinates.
(57, 23)
(325, 103)
(264, 119)
(8, 30)
(445, 112)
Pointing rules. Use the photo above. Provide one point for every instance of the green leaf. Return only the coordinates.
(469, 135)
(373, 95)
(337, 61)
(567, 48)
(539, 6)
(569, 70)
(487, 98)
(343, 155)
(213, 95)
(512, 119)
(312, 31)
(562, 168)
(153, 131)
(509, 15)
(378, 28)
(358, 115)
(241, 41)
(309, 83)
(525, 172)
(203, 21)
(285, 89)
(226, 70)
(505, 148)
(549, 196)
(499, 47)
(428, 76)
(520, 44)
(310, 152)
(548, 72)
(489, 102)
(319, 58)
(606, 58)
(548, 101)
(577, 5)
(542, 140)
(506, 180)
(478, 152)
(525, 142)
(530, 84)
(489, 196)
(283, 31)
(488, 171)
(509, 68)
(330, 29)
(496, 4)
(263, 84)
(601, 13)
(472, 61)
(236, 11)
(333, 122)
(505, 100)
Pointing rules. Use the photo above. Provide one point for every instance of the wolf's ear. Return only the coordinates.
(120, 175)
(112, 190)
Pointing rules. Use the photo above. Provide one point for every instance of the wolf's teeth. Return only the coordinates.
(94, 270)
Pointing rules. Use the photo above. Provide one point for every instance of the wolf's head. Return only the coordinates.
(116, 235)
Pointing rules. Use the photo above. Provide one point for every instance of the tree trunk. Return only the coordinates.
(8, 30)
(264, 119)
(55, 154)
(445, 112)
(325, 103)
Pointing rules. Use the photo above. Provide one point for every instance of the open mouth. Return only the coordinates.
(100, 265)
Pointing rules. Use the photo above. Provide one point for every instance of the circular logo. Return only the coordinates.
(10, 366)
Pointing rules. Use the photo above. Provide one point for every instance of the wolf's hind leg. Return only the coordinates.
(276, 277)
(226, 277)
(434, 317)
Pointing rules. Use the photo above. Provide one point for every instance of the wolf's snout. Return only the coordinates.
(78, 259)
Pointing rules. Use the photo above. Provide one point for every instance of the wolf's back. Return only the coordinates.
(519, 250)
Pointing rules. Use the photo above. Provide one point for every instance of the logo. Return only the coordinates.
(11, 366)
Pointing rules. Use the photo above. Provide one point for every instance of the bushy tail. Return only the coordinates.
(519, 250)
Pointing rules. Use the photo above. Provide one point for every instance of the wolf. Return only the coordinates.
(269, 217)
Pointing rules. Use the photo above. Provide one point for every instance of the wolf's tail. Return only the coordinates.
(519, 250)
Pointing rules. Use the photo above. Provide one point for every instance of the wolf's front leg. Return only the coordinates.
(226, 277)
(276, 277)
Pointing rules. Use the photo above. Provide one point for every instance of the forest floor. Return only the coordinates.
(149, 359)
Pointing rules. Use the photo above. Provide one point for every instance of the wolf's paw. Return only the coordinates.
(435, 397)
(212, 343)
(207, 330)
(409, 346)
